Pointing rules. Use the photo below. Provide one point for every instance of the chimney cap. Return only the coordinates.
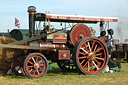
(30, 8)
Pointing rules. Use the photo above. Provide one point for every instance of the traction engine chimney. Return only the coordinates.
(31, 12)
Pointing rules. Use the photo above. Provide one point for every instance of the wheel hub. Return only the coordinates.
(91, 55)
(36, 65)
(81, 36)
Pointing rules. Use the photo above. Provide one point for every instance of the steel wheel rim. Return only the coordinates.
(36, 66)
(91, 56)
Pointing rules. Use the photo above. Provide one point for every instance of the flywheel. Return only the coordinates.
(78, 32)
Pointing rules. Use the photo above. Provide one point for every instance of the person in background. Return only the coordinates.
(113, 64)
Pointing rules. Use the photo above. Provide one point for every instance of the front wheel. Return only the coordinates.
(90, 55)
(35, 65)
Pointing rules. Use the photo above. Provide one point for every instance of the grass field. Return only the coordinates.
(57, 77)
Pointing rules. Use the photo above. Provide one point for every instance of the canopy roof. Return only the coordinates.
(74, 18)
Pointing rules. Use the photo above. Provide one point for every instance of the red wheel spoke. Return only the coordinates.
(41, 64)
(81, 53)
(98, 50)
(89, 47)
(95, 64)
(91, 65)
(95, 48)
(40, 61)
(34, 72)
(82, 62)
(96, 61)
(36, 59)
(86, 46)
(85, 64)
(93, 44)
(38, 71)
(98, 54)
(30, 66)
(30, 62)
(30, 70)
(99, 58)
(41, 69)
(33, 60)
(83, 57)
(84, 50)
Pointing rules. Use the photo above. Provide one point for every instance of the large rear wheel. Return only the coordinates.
(35, 65)
(90, 55)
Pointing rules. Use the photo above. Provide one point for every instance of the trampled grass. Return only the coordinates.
(57, 77)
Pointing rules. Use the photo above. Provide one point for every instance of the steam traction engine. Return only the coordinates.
(75, 49)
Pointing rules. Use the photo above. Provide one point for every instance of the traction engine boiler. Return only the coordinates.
(73, 50)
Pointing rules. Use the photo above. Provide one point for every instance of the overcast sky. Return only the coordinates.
(9, 9)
